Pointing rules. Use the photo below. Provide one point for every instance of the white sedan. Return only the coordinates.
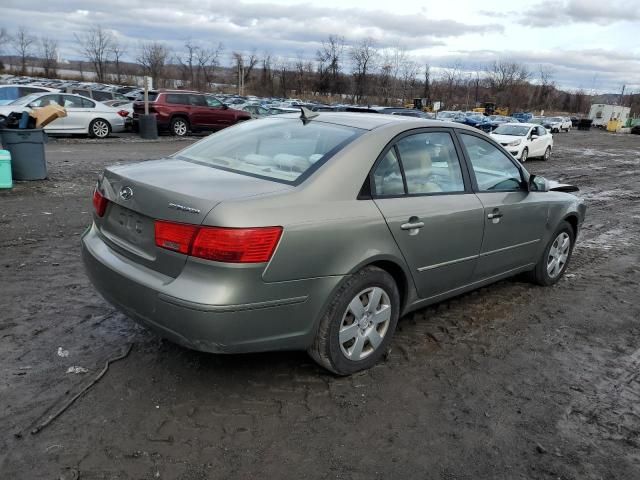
(524, 140)
(84, 115)
(558, 124)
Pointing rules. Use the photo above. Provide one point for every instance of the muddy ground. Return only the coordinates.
(511, 382)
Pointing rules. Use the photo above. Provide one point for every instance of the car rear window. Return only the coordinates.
(281, 149)
(101, 96)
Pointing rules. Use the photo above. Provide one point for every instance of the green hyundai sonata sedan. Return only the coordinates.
(317, 232)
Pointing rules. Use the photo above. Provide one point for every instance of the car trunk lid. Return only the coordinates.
(171, 190)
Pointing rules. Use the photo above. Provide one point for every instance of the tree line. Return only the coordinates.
(360, 73)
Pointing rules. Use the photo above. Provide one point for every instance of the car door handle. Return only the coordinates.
(411, 225)
(491, 216)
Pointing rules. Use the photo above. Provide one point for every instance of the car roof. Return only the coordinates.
(370, 121)
(521, 124)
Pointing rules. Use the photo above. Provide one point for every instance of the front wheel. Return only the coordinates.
(524, 155)
(547, 154)
(555, 257)
(99, 128)
(357, 327)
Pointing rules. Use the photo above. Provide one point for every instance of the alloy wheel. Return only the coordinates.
(547, 153)
(100, 129)
(365, 323)
(558, 254)
(524, 155)
(180, 127)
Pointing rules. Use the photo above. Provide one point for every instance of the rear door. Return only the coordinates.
(514, 218)
(80, 112)
(425, 196)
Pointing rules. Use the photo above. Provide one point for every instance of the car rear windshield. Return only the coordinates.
(282, 149)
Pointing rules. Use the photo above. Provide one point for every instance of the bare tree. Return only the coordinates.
(96, 46)
(266, 75)
(408, 73)
(426, 92)
(546, 86)
(4, 39)
(208, 60)
(23, 44)
(363, 56)
(153, 58)
(245, 65)
(117, 52)
(329, 58)
(49, 56)
(451, 77)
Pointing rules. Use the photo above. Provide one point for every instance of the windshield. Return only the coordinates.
(513, 130)
(9, 93)
(555, 119)
(537, 121)
(282, 149)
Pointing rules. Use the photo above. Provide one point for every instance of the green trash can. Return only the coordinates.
(26, 147)
(6, 180)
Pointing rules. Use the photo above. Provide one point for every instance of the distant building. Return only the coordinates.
(602, 114)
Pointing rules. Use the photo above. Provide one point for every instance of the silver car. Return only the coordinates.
(317, 232)
(84, 115)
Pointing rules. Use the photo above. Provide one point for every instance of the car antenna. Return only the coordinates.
(307, 115)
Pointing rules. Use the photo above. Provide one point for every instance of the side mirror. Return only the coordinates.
(538, 184)
(225, 106)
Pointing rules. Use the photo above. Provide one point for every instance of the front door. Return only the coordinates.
(435, 219)
(219, 114)
(514, 218)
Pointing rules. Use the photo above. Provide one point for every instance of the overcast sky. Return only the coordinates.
(589, 44)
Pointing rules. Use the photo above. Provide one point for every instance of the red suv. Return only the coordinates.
(181, 111)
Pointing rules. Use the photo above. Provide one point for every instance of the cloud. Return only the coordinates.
(590, 69)
(281, 29)
(551, 13)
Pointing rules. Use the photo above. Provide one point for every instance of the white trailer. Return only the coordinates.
(601, 114)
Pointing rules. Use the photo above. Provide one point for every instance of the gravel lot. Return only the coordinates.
(514, 381)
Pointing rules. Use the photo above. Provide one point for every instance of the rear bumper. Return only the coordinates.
(273, 316)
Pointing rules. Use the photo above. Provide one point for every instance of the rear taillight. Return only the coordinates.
(99, 203)
(175, 236)
(231, 245)
(123, 113)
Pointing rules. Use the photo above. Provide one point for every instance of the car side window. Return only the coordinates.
(86, 103)
(541, 131)
(387, 176)
(430, 163)
(213, 102)
(46, 100)
(198, 100)
(178, 99)
(493, 169)
(71, 101)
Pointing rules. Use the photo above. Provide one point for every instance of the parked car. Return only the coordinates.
(256, 111)
(557, 124)
(523, 117)
(524, 140)
(474, 120)
(11, 93)
(123, 105)
(318, 232)
(84, 116)
(99, 95)
(180, 111)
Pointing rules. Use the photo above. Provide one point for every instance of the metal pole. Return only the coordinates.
(146, 96)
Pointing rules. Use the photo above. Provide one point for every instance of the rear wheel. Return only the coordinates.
(356, 330)
(99, 128)
(524, 155)
(547, 154)
(179, 126)
(556, 256)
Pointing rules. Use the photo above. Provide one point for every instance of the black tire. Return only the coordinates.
(540, 274)
(99, 128)
(547, 154)
(326, 349)
(524, 155)
(179, 126)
